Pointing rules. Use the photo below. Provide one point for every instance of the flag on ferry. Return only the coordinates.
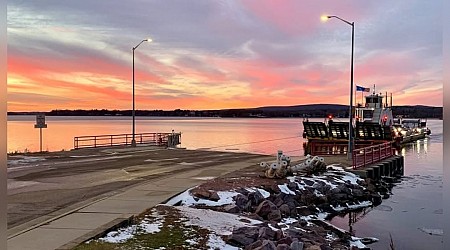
(359, 88)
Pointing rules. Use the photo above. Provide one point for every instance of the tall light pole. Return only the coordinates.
(350, 126)
(133, 113)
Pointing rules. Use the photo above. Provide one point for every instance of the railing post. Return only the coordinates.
(365, 156)
(95, 141)
(111, 139)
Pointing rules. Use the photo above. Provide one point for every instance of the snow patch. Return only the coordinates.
(432, 231)
(220, 223)
(263, 192)
(284, 189)
(215, 242)
(186, 199)
(120, 236)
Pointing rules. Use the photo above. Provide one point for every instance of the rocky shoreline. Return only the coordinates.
(293, 210)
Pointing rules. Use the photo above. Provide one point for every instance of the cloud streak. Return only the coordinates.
(219, 54)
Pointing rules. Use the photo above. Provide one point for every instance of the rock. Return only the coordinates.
(283, 247)
(313, 247)
(339, 197)
(233, 209)
(267, 245)
(325, 247)
(285, 210)
(214, 196)
(254, 245)
(255, 217)
(344, 189)
(243, 236)
(308, 182)
(296, 245)
(256, 198)
(304, 211)
(239, 240)
(274, 215)
(279, 234)
(286, 240)
(266, 233)
(294, 233)
(292, 186)
(241, 200)
(200, 193)
(376, 199)
(358, 193)
(264, 208)
(279, 200)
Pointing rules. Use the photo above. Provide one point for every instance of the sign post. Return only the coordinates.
(40, 124)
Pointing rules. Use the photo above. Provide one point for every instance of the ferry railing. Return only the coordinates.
(363, 157)
(157, 139)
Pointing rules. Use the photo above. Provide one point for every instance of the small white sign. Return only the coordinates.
(40, 121)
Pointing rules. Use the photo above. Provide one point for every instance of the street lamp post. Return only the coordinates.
(350, 127)
(133, 113)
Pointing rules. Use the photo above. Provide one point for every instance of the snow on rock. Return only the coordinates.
(264, 193)
(355, 241)
(186, 199)
(284, 188)
(220, 223)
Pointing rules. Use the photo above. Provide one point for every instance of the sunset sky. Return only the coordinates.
(219, 54)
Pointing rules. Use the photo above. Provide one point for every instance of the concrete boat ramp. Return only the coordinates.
(58, 200)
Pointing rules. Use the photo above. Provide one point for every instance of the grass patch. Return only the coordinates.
(172, 234)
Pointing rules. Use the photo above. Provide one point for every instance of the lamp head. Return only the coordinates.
(148, 40)
(324, 18)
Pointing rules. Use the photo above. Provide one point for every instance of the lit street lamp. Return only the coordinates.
(133, 140)
(350, 127)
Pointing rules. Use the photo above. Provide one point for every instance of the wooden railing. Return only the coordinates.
(372, 154)
(157, 139)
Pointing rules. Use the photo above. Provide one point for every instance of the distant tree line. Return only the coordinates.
(312, 110)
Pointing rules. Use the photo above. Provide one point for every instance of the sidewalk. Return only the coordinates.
(68, 230)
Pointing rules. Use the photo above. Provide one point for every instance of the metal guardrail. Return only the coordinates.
(372, 154)
(157, 139)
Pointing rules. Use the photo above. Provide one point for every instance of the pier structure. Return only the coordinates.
(146, 139)
(389, 167)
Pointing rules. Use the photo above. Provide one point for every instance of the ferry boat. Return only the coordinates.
(373, 123)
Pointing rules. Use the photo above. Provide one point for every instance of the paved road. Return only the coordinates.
(50, 194)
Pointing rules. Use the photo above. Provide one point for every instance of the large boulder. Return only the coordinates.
(283, 247)
(265, 208)
(241, 200)
(255, 198)
(266, 233)
(285, 210)
(274, 215)
(243, 236)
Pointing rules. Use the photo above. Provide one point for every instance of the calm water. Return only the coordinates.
(414, 207)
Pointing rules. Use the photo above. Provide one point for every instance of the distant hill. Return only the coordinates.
(309, 110)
